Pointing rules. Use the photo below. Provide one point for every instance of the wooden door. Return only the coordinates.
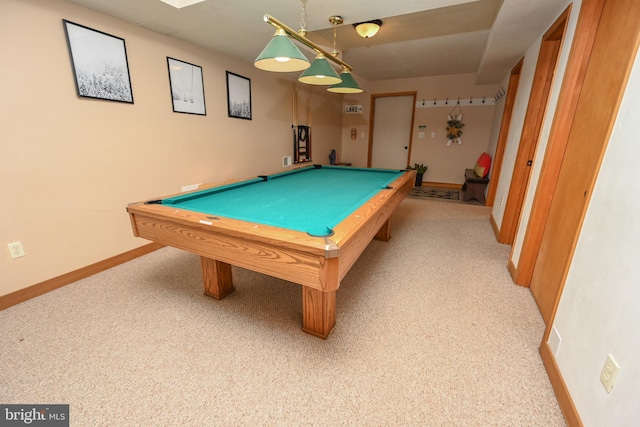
(572, 82)
(613, 53)
(536, 109)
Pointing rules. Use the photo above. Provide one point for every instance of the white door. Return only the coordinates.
(392, 131)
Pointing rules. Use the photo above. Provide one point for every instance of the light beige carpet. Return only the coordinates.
(430, 331)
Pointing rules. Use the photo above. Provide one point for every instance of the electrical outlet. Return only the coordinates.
(609, 373)
(16, 249)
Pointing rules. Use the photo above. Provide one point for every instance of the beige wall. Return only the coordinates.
(446, 164)
(598, 312)
(70, 165)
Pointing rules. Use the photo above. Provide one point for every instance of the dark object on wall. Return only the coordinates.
(301, 143)
(99, 62)
(238, 96)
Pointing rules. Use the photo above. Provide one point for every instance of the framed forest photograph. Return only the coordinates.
(187, 87)
(238, 96)
(99, 62)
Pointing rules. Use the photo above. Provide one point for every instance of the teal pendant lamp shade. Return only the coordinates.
(281, 55)
(348, 85)
(320, 73)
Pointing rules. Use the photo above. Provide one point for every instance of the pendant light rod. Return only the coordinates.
(305, 41)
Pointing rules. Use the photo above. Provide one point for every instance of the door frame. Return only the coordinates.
(536, 111)
(558, 138)
(505, 124)
(372, 119)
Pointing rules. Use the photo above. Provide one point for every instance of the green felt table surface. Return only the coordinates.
(312, 199)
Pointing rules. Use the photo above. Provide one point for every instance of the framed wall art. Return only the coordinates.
(238, 96)
(187, 87)
(99, 62)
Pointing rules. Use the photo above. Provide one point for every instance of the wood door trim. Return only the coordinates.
(372, 113)
(558, 137)
(536, 111)
(512, 91)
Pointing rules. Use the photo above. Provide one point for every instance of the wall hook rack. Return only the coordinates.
(469, 102)
(499, 94)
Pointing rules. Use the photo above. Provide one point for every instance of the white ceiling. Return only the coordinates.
(418, 37)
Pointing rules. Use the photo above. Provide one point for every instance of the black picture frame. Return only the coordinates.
(187, 87)
(99, 62)
(238, 96)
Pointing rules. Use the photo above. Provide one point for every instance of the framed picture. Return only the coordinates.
(238, 96)
(99, 62)
(187, 87)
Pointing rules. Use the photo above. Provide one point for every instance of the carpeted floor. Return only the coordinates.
(430, 331)
(435, 193)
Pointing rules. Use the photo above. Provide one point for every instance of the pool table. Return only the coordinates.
(308, 226)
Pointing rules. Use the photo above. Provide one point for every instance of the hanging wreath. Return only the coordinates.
(454, 127)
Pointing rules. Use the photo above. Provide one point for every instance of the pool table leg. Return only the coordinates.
(318, 312)
(384, 234)
(218, 281)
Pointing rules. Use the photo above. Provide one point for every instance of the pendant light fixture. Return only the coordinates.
(348, 84)
(281, 55)
(320, 73)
